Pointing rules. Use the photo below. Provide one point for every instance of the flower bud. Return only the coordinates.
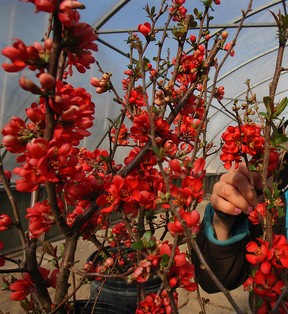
(30, 86)
(47, 81)
(71, 5)
(224, 35)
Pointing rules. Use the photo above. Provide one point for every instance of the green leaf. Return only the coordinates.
(137, 245)
(156, 150)
(251, 167)
(179, 31)
(198, 14)
(280, 139)
(281, 107)
(268, 102)
(264, 114)
(207, 3)
(281, 212)
(268, 193)
(284, 20)
(192, 24)
(152, 243)
(146, 237)
(164, 260)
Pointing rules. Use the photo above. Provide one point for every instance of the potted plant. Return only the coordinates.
(154, 189)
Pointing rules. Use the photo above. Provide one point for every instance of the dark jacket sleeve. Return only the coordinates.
(225, 258)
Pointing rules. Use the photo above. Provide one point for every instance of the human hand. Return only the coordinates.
(233, 194)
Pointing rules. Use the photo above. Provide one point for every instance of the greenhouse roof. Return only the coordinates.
(255, 56)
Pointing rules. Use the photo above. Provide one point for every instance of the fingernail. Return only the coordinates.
(237, 211)
(249, 209)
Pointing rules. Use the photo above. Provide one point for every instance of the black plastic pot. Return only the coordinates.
(85, 307)
(119, 293)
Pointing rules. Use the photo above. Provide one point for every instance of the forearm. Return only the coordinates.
(223, 248)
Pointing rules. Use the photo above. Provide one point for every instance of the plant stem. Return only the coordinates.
(64, 271)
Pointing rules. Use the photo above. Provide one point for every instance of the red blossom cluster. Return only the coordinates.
(52, 160)
(239, 140)
(21, 288)
(248, 140)
(78, 41)
(265, 282)
(154, 303)
(181, 273)
(177, 10)
(40, 218)
(258, 215)
(20, 55)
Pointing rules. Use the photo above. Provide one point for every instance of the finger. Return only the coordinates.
(229, 200)
(241, 183)
(252, 177)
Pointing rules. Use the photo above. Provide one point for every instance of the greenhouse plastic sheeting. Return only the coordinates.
(254, 59)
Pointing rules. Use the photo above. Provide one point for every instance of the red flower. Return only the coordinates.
(68, 14)
(190, 64)
(191, 219)
(219, 94)
(78, 41)
(5, 222)
(198, 168)
(184, 275)
(103, 84)
(257, 253)
(111, 200)
(177, 10)
(180, 259)
(279, 251)
(154, 303)
(123, 135)
(16, 135)
(88, 227)
(136, 97)
(244, 140)
(140, 129)
(248, 284)
(258, 214)
(21, 56)
(144, 29)
(232, 51)
(268, 285)
(40, 219)
(142, 272)
(21, 288)
(48, 6)
(193, 189)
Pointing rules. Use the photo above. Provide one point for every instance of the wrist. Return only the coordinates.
(222, 225)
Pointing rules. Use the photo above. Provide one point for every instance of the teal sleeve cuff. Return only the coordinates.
(240, 230)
